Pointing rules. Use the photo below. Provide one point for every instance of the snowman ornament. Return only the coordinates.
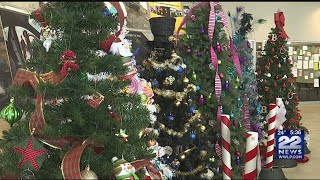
(123, 170)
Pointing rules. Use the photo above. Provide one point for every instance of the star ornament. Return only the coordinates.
(122, 134)
(32, 154)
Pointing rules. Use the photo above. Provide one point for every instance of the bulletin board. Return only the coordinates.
(305, 59)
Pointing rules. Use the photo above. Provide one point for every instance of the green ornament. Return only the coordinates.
(10, 113)
(143, 98)
(194, 76)
(210, 96)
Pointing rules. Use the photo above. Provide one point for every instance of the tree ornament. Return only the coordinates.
(201, 100)
(275, 84)
(203, 153)
(188, 50)
(197, 88)
(212, 159)
(193, 18)
(177, 103)
(194, 76)
(155, 83)
(182, 157)
(114, 115)
(185, 80)
(238, 158)
(123, 170)
(268, 75)
(276, 77)
(272, 49)
(199, 53)
(33, 153)
(202, 30)
(284, 85)
(202, 128)
(231, 115)
(10, 113)
(221, 75)
(96, 100)
(218, 47)
(143, 98)
(219, 61)
(193, 136)
(279, 65)
(105, 12)
(170, 117)
(226, 85)
(192, 109)
(221, 109)
(210, 96)
(236, 87)
(122, 134)
(88, 174)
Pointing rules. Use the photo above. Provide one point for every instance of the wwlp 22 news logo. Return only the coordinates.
(289, 144)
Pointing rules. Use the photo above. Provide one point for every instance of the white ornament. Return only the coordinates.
(47, 44)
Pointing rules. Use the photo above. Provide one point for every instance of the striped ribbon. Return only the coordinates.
(218, 150)
(226, 147)
(271, 130)
(246, 113)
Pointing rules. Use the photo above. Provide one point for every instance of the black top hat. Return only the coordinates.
(162, 26)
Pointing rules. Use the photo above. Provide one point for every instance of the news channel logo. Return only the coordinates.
(289, 144)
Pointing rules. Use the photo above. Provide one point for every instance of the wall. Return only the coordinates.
(23, 7)
(302, 18)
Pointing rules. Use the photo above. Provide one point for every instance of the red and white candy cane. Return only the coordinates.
(251, 157)
(226, 148)
(271, 130)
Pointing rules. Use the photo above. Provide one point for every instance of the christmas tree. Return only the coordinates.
(242, 25)
(176, 113)
(274, 76)
(213, 67)
(77, 98)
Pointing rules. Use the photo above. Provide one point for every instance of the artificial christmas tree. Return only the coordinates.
(242, 23)
(275, 79)
(213, 67)
(274, 76)
(75, 98)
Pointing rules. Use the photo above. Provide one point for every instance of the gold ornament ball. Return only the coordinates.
(236, 87)
(182, 157)
(152, 142)
(203, 153)
(143, 98)
(185, 80)
(202, 128)
(88, 174)
(219, 61)
(177, 103)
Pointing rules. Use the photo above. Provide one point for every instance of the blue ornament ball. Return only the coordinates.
(193, 135)
(170, 117)
(105, 12)
(155, 83)
(158, 72)
(192, 109)
(180, 70)
(231, 115)
(197, 88)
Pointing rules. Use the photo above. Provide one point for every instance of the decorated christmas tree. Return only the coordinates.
(81, 100)
(274, 76)
(213, 67)
(242, 23)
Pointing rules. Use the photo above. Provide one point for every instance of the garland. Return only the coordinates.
(178, 95)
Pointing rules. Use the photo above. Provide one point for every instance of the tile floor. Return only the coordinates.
(310, 113)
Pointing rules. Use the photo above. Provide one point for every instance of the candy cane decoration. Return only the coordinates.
(271, 130)
(226, 148)
(250, 168)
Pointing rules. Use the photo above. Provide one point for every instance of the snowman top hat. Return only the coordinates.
(162, 26)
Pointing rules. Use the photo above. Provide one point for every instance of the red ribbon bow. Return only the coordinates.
(39, 17)
(68, 55)
(279, 21)
(67, 66)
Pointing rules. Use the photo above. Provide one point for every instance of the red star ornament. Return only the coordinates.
(31, 155)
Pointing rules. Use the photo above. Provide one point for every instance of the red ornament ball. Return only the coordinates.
(272, 49)
(275, 84)
(284, 85)
(277, 77)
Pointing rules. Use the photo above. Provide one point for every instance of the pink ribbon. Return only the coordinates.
(246, 113)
